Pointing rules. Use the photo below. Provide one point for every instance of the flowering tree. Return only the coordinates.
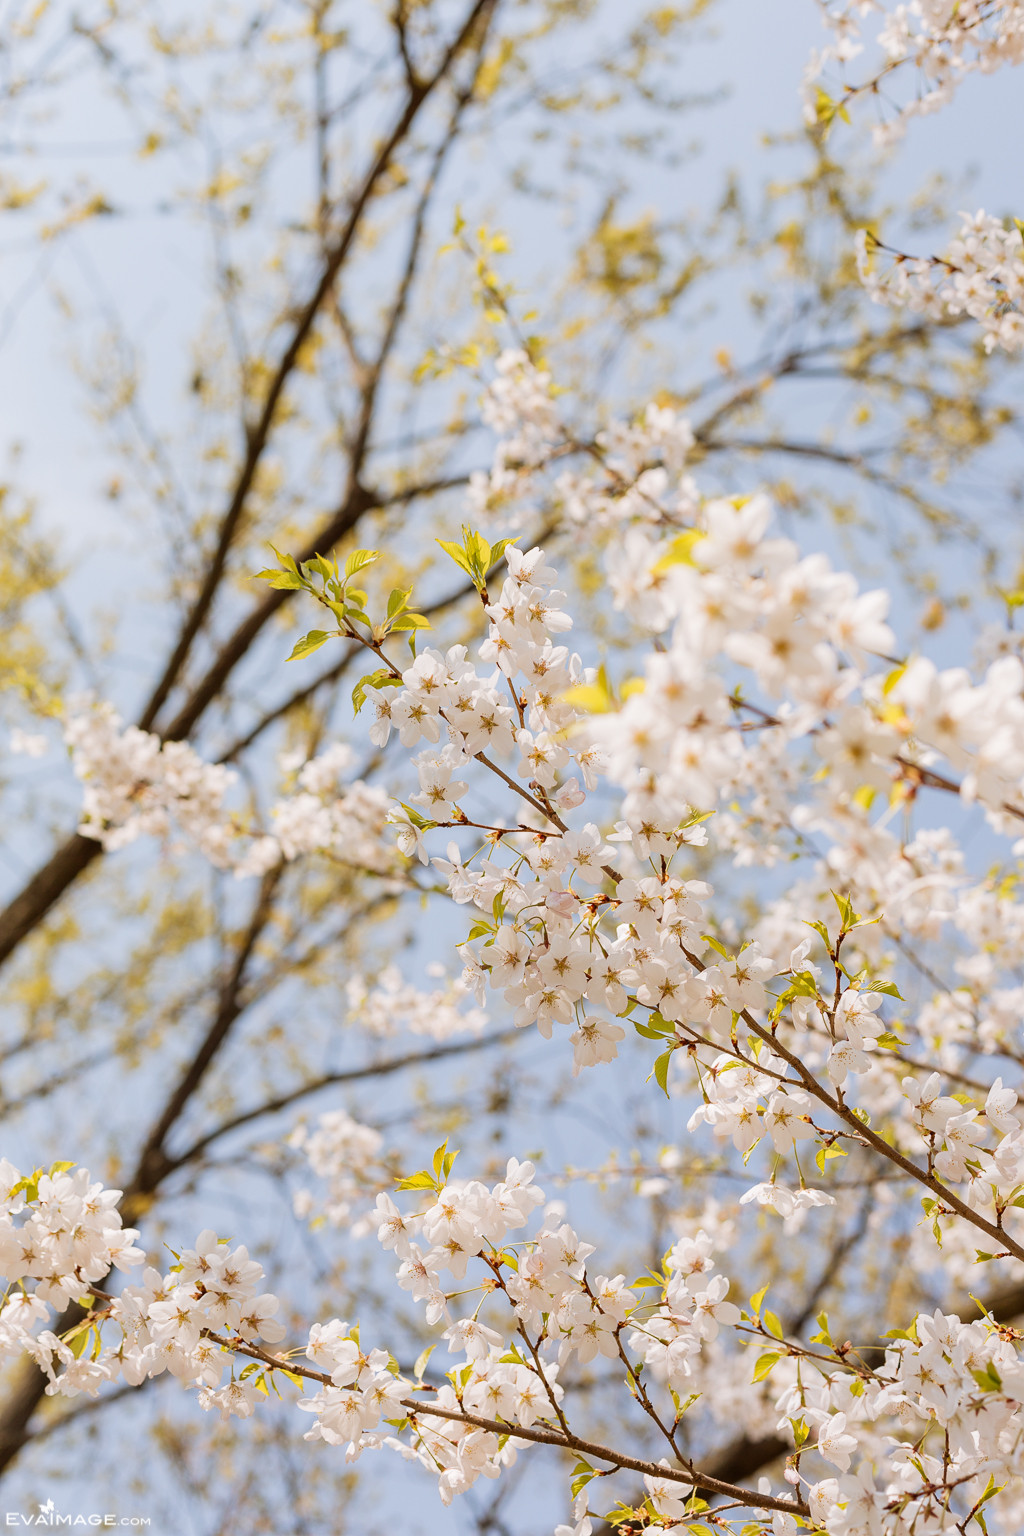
(852, 1034)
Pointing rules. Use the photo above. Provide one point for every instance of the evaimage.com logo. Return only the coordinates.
(48, 1516)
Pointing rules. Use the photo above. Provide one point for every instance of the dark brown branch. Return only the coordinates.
(257, 436)
(154, 1163)
(354, 1075)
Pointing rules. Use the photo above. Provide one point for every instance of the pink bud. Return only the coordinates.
(562, 902)
(570, 795)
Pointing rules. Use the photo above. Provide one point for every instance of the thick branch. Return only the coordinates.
(329, 1079)
(154, 1163)
(258, 435)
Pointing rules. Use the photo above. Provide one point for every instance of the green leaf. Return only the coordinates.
(382, 678)
(397, 601)
(889, 1041)
(847, 915)
(721, 949)
(457, 553)
(420, 1180)
(680, 550)
(588, 697)
(56, 1169)
(478, 551)
(991, 1488)
(410, 621)
(287, 562)
(989, 1380)
(654, 1028)
(822, 931)
(620, 1513)
(661, 1071)
(284, 581)
(443, 1160)
(888, 987)
(825, 1152)
(416, 817)
(582, 1472)
(802, 985)
(308, 644)
(824, 1337)
(765, 1365)
(773, 1325)
(498, 549)
(78, 1339)
(318, 566)
(360, 558)
(756, 1300)
(421, 1361)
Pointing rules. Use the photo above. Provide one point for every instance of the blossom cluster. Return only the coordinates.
(344, 822)
(347, 1155)
(772, 714)
(188, 1322)
(393, 1003)
(636, 470)
(944, 41)
(445, 692)
(981, 275)
(931, 1418)
(135, 784)
(555, 1311)
(70, 1235)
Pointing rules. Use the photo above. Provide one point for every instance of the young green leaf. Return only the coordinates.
(766, 1363)
(661, 1071)
(421, 1361)
(457, 553)
(888, 987)
(411, 621)
(421, 1180)
(283, 581)
(359, 558)
(499, 548)
(308, 644)
(848, 917)
(382, 678)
